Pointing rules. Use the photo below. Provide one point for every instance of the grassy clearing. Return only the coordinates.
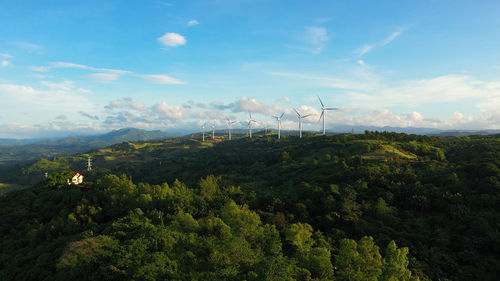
(402, 154)
(388, 151)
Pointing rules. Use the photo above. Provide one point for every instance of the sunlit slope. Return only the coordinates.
(191, 158)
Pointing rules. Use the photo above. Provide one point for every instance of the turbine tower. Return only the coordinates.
(250, 124)
(203, 130)
(279, 124)
(324, 109)
(300, 121)
(230, 127)
(213, 131)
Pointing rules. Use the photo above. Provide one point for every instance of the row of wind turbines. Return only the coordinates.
(230, 123)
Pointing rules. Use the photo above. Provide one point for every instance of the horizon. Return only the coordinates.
(335, 129)
(93, 67)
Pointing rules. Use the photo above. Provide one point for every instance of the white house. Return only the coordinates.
(76, 179)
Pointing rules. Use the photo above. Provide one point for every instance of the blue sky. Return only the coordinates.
(70, 67)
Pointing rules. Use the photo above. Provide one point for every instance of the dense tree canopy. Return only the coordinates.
(321, 208)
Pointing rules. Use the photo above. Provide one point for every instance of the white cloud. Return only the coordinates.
(325, 81)
(39, 76)
(30, 47)
(138, 106)
(169, 112)
(317, 35)
(5, 63)
(313, 39)
(391, 37)
(40, 68)
(86, 67)
(66, 85)
(458, 116)
(370, 47)
(31, 106)
(83, 91)
(171, 39)
(193, 22)
(103, 77)
(70, 65)
(5, 56)
(162, 79)
(447, 88)
(361, 62)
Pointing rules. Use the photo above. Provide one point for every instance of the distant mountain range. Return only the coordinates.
(13, 151)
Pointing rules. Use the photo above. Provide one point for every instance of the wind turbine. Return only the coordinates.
(324, 109)
(230, 126)
(250, 124)
(279, 124)
(300, 121)
(203, 128)
(213, 131)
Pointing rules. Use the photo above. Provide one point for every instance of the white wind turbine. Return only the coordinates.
(213, 131)
(279, 124)
(300, 121)
(203, 130)
(324, 109)
(230, 127)
(250, 124)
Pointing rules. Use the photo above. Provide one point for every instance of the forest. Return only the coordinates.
(373, 206)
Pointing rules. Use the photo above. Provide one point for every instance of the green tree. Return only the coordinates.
(396, 264)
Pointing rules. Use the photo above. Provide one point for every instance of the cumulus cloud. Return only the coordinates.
(246, 104)
(193, 22)
(5, 63)
(138, 106)
(169, 112)
(42, 105)
(127, 103)
(162, 79)
(5, 56)
(171, 39)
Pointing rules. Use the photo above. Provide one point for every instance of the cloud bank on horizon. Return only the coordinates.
(95, 69)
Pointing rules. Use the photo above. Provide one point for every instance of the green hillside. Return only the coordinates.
(25, 151)
(317, 208)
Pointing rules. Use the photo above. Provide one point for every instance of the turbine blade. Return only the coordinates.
(297, 112)
(321, 102)
(306, 116)
(321, 116)
(332, 108)
(282, 114)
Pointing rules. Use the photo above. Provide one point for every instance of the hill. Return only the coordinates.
(332, 200)
(22, 151)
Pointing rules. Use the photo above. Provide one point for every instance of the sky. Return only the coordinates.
(83, 67)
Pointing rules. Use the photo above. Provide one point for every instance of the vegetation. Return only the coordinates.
(377, 206)
(23, 151)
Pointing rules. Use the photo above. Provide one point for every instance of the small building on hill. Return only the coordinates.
(76, 179)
